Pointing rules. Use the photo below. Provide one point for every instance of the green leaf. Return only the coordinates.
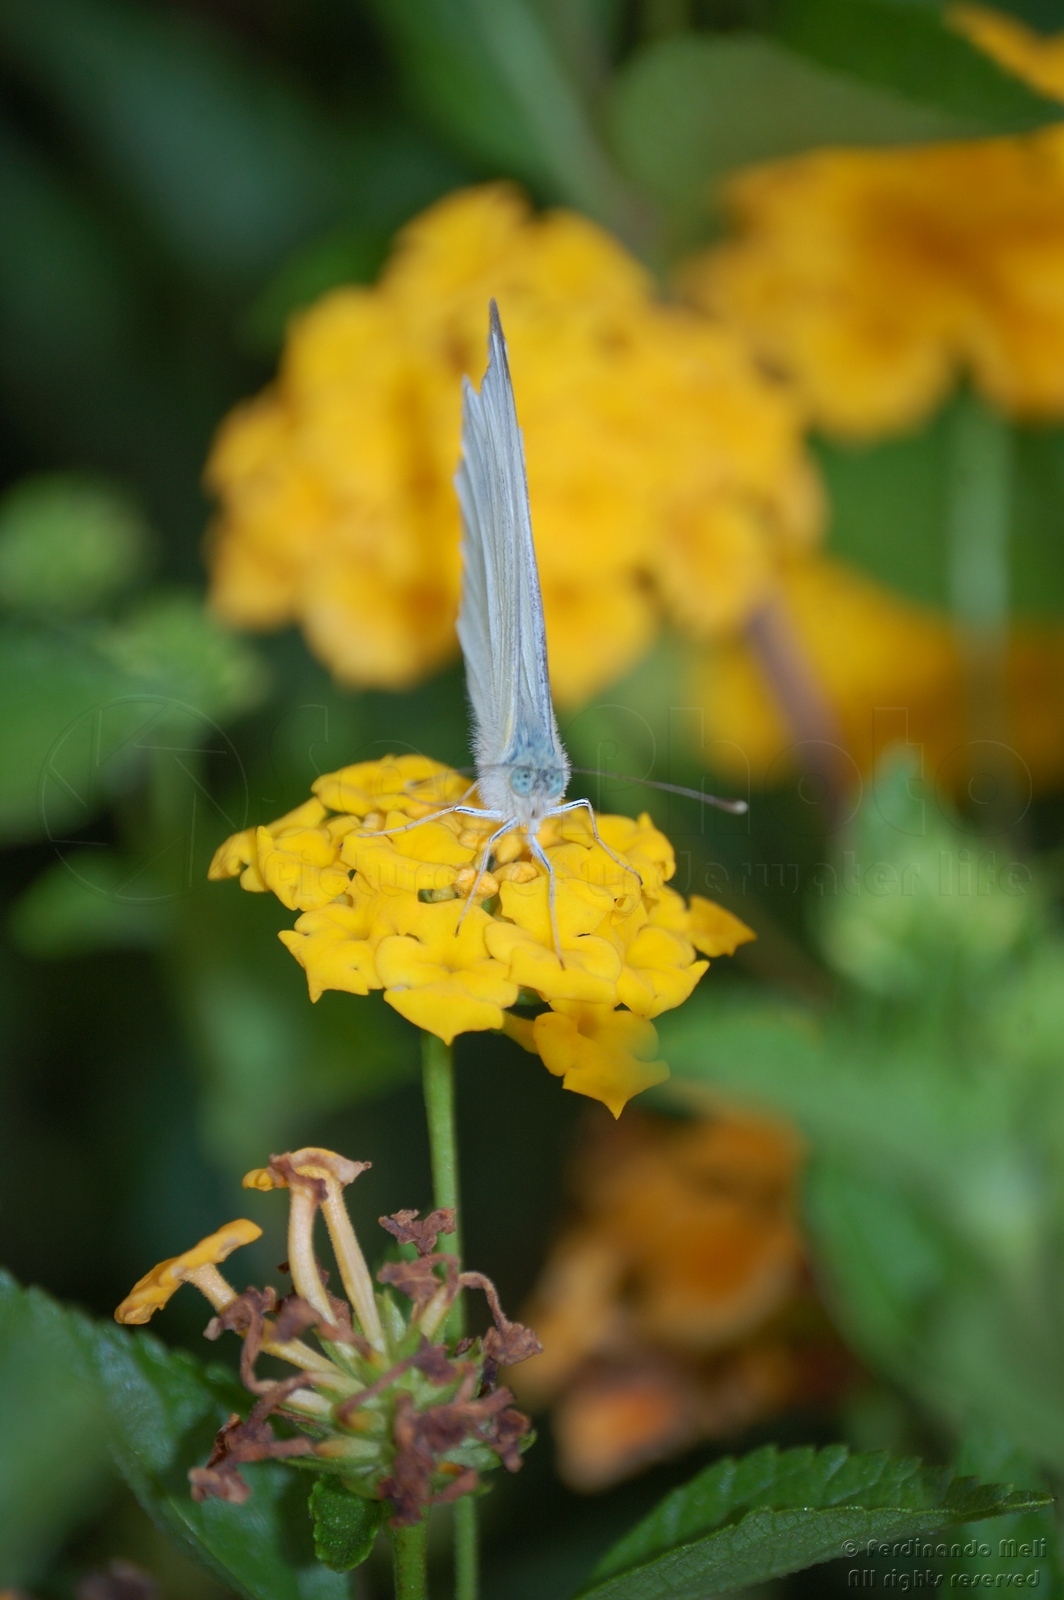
(52, 686)
(346, 255)
(67, 544)
(745, 1521)
(889, 510)
(87, 368)
(959, 1319)
(910, 1119)
(227, 162)
(988, 1453)
(927, 910)
(170, 645)
(1035, 542)
(90, 901)
(345, 1524)
(165, 1410)
(488, 72)
(930, 1198)
(87, 712)
(910, 50)
(690, 108)
(55, 1466)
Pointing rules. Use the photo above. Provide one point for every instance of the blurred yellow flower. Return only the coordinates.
(390, 910)
(874, 279)
(1035, 57)
(664, 469)
(890, 670)
(673, 1306)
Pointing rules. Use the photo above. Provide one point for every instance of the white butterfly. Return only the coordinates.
(521, 764)
(522, 768)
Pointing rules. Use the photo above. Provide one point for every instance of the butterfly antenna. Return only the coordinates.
(735, 808)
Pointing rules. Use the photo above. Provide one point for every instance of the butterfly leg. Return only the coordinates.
(386, 833)
(541, 855)
(434, 816)
(483, 867)
(585, 805)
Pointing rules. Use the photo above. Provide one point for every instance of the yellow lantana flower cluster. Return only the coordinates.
(391, 910)
(666, 473)
(874, 278)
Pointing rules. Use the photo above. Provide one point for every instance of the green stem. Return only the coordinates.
(409, 1550)
(466, 1555)
(978, 525)
(437, 1061)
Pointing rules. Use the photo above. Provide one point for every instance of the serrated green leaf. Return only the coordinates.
(910, 50)
(930, 1197)
(55, 1466)
(748, 1520)
(164, 1410)
(345, 1524)
(911, 1119)
(1032, 1536)
(690, 108)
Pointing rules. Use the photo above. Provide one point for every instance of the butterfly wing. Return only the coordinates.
(500, 623)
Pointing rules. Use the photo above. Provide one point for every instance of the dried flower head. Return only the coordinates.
(383, 1400)
(391, 910)
(659, 456)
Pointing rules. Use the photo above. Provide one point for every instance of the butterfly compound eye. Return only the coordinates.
(521, 779)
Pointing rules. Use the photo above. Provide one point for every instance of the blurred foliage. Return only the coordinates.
(54, 1431)
(67, 546)
(931, 1107)
(175, 180)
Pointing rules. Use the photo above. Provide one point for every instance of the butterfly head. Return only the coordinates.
(547, 783)
(528, 782)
